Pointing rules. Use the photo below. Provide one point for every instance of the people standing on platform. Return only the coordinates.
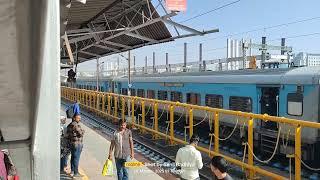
(75, 137)
(122, 144)
(189, 159)
(73, 109)
(219, 168)
(64, 145)
(63, 126)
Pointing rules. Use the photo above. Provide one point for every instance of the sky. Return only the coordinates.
(232, 21)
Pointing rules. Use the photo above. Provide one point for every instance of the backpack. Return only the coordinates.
(70, 113)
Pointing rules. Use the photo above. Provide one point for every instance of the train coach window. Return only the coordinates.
(215, 101)
(176, 96)
(132, 92)
(193, 98)
(150, 94)
(140, 92)
(243, 104)
(163, 95)
(124, 91)
(295, 104)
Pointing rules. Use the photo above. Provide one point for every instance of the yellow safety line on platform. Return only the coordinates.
(85, 177)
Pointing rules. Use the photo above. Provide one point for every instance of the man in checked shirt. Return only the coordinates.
(75, 136)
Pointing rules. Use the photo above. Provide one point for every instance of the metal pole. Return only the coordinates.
(134, 63)
(146, 65)
(250, 49)
(129, 69)
(156, 125)
(129, 82)
(228, 48)
(153, 62)
(190, 122)
(283, 44)
(185, 58)
(244, 53)
(250, 144)
(97, 75)
(118, 64)
(167, 62)
(216, 132)
(143, 118)
(77, 58)
(171, 124)
(200, 56)
(297, 151)
(263, 52)
(232, 54)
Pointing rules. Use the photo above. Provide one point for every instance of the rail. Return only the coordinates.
(97, 101)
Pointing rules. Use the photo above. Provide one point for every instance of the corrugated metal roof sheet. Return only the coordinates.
(94, 12)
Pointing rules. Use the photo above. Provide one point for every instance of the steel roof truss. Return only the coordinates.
(116, 44)
(183, 27)
(140, 26)
(107, 48)
(89, 53)
(165, 10)
(127, 10)
(107, 23)
(140, 37)
(74, 31)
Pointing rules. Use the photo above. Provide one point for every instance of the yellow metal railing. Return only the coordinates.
(88, 99)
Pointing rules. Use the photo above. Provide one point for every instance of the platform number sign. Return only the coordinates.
(176, 5)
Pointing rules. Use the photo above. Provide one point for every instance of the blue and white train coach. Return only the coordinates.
(292, 93)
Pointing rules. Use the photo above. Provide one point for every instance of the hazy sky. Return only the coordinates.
(243, 16)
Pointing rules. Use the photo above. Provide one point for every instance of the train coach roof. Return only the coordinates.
(302, 75)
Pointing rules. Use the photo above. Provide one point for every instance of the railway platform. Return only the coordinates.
(94, 154)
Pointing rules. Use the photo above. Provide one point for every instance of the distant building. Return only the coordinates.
(306, 59)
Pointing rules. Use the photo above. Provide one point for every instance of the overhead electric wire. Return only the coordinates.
(261, 29)
(268, 27)
(212, 10)
(298, 36)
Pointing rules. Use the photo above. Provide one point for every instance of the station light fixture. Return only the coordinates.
(82, 1)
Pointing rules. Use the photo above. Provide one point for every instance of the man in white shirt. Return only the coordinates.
(190, 160)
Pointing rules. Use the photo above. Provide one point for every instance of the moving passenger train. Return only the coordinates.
(292, 93)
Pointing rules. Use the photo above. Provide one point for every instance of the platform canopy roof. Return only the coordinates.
(94, 28)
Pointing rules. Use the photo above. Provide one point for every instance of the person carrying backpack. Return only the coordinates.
(73, 110)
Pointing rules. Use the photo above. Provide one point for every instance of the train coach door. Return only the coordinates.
(269, 104)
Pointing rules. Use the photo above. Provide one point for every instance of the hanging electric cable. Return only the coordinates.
(212, 10)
